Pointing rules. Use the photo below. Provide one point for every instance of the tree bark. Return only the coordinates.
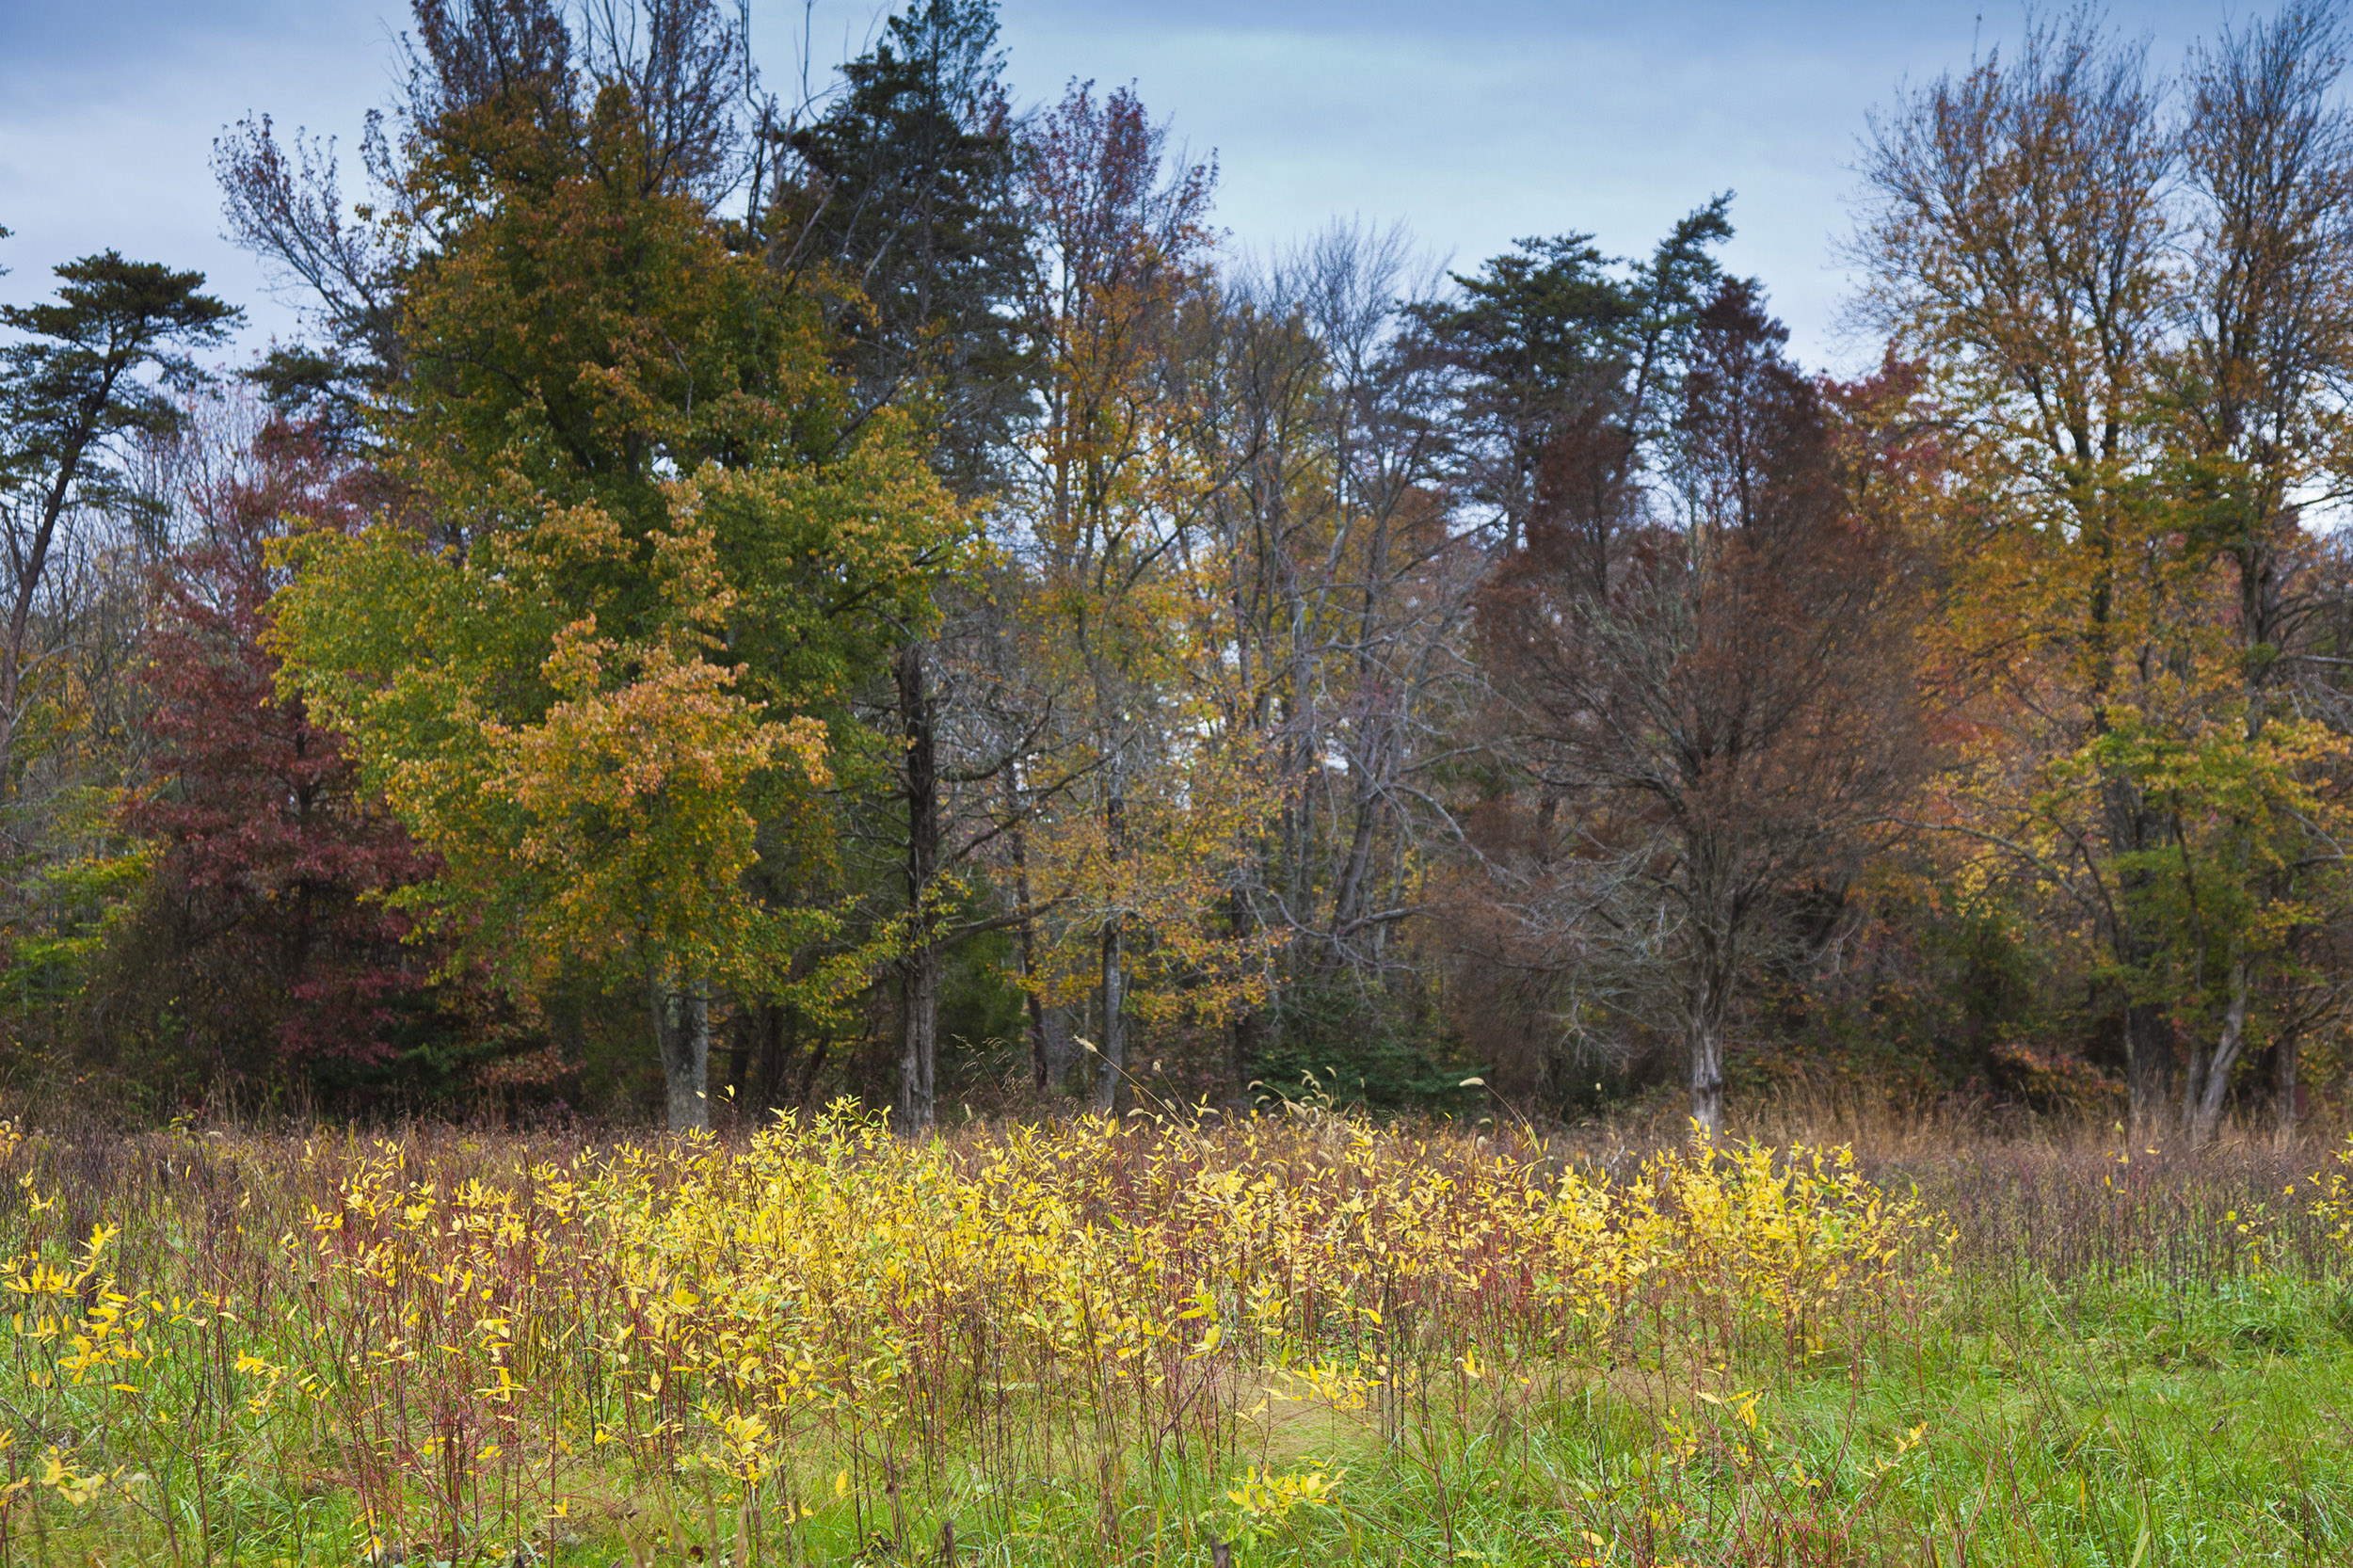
(1043, 1068)
(681, 1027)
(1111, 1050)
(1112, 1061)
(2149, 1067)
(1058, 1033)
(918, 994)
(1704, 1029)
(2193, 1088)
(2207, 1119)
(919, 1012)
(2284, 1086)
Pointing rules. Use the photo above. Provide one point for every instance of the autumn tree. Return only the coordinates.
(2133, 323)
(266, 940)
(1322, 558)
(1722, 712)
(1563, 371)
(651, 537)
(1128, 840)
(2266, 151)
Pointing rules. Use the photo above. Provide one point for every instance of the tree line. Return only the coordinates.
(733, 602)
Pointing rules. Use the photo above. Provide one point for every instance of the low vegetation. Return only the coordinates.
(1304, 1338)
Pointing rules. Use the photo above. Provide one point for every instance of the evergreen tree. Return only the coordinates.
(905, 186)
(1553, 335)
(91, 373)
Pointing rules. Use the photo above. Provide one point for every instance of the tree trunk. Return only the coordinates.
(1704, 1029)
(778, 1039)
(1111, 1064)
(2193, 1088)
(1706, 1002)
(745, 1028)
(919, 993)
(1249, 1045)
(682, 1028)
(2148, 1033)
(2284, 1088)
(1043, 1068)
(1711, 967)
(2208, 1119)
(1058, 1038)
(1348, 906)
(1249, 1026)
(2149, 1068)
(805, 1091)
(919, 1012)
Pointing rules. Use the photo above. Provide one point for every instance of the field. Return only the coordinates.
(1299, 1339)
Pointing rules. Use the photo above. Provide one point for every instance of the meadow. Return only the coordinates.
(1295, 1339)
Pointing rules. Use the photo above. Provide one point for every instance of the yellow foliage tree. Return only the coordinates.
(648, 546)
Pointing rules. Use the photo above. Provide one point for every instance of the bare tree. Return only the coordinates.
(1329, 563)
(1727, 714)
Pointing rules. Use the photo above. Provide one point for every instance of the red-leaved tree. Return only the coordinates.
(269, 854)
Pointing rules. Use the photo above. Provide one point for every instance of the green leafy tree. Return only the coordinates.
(647, 545)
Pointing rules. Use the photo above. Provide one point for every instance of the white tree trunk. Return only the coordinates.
(1704, 1031)
(2207, 1121)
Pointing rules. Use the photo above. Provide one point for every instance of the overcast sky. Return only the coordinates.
(1473, 122)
